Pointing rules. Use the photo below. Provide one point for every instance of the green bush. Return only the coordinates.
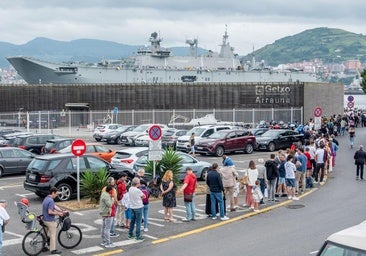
(92, 183)
(169, 161)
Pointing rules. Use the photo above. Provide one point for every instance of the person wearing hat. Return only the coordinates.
(360, 159)
(49, 211)
(4, 220)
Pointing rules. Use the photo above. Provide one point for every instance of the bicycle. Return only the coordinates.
(34, 242)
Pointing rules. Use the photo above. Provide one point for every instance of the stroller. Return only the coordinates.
(25, 216)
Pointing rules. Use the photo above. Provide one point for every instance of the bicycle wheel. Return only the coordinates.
(70, 238)
(33, 243)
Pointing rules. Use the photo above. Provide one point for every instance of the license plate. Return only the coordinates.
(199, 147)
(32, 176)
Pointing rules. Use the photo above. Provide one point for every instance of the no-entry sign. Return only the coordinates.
(78, 147)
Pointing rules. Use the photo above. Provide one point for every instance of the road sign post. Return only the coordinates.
(78, 148)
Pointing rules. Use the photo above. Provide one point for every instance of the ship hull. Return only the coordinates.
(35, 71)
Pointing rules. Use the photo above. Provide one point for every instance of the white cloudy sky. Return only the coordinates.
(251, 24)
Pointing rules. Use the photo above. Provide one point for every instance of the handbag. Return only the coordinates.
(188, 197)
(244, 180)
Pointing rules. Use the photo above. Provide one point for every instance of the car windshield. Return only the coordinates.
(197, 131)
(338, 250)
(168, 133)
(218, 135)
(141, 128)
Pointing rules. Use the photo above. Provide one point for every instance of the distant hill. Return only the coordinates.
(328, 44)
(83, 50)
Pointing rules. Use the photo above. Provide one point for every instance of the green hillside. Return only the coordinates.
(328, 44)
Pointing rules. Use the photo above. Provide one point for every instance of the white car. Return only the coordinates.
(349, 241)
(127, 157)
(128, 138)
(200, 132)
(103, 129)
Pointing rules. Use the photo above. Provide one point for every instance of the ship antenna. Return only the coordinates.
(225, 37)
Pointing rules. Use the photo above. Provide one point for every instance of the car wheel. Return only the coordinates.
(66, 192)
(249, 148)
(97, 139)
(119, 141)
(1, 172)
(204, 174)
(219, 151)
(271, 147)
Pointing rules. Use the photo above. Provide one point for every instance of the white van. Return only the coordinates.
(348, 242)
(200, 132)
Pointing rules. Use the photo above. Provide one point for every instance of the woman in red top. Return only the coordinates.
(309, 167)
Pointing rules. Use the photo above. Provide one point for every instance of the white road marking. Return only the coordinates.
(151, 237)
(88, 250)
(25, 195)
(78, 213)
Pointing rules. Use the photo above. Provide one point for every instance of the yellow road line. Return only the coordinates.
(109, 253)
(219, 224)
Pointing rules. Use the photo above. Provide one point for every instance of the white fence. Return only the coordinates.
(50, 120)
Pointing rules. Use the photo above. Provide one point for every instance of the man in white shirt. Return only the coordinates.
(4, 220)
(290, 168)
(320, 158)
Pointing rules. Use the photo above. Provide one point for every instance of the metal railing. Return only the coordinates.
(48, 121)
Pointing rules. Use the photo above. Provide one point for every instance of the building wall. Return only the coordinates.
(174, 96)
(327, 96)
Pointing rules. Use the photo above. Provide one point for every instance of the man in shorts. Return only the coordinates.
(290, 168)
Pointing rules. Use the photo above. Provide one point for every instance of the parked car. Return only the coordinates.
(226, 141)
(7, 140)
(279, 139)
(103, 129)
(114, 136)
(170, 137)
(127, 156)
(14, 160)
(59, 170)
(200, 133)
(95, 149)
(347, 242)
(258, 131)
(33, 142)
(128, 138)
(200, 168)
(54, 145)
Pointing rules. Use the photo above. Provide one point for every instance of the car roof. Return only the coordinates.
(59, 139)
(133, 150)
(354, 236)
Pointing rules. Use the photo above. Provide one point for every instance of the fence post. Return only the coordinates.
(292, 115)
(133, 116)
(69, 121)
(153, 116)
(272, 117)
(233, 115)
(302, 114)
(253, 117)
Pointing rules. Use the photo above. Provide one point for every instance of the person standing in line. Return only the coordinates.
(301, 171)
(272, 175)
(228, 175)
(257, 195)
(262, 177)
(121, 190)
(49, 211)
(141, 176)
(351, 134)
(191, 144)
(136, 197)
(4, 220)
(281, 187)
(320, 159)
(360, 159)
(252, 174)
(168, 189)
(105, 203)
(290, 168)
(188, 189)
(214, 182)
(146, 203)
(112, 182)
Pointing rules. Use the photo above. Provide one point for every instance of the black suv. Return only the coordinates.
(34, 142)
(55, 145)
(59, 170)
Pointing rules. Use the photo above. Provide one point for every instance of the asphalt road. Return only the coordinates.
(279, 231)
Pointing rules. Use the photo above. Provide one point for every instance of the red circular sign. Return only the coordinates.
(78, 147)
(155, 132)
(318, 112)
(350, 104)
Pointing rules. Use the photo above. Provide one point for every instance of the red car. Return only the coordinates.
(227, 141)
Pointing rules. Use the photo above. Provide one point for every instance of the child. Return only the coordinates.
(257, 195)
(121, 190)
(126, 204)
(236, 192)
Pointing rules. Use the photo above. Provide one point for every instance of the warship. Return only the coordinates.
(156, 64)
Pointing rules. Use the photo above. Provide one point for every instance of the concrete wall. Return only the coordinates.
(328, 96)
